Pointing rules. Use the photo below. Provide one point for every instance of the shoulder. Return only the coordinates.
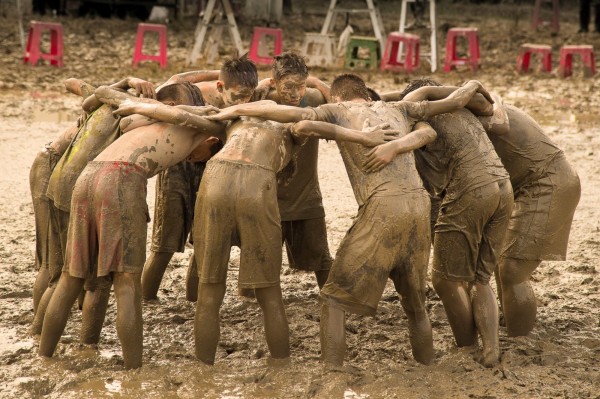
(313, 98)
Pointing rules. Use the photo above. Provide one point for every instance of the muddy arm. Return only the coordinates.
(456, 100)
(382, 155)
(193, 77)
(478, 104)
(370, 138)
(265, 109)
(316, 83)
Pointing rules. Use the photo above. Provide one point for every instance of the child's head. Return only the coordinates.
(180, 94)
(289, 73)
(417, 84)
(348, 87)
(237, 80)
(205, 150)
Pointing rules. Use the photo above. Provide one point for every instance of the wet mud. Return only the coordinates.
(561, 358)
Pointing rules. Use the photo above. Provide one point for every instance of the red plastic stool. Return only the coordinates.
(587, 57)
(525, 52)
(138, 55)
(33, 54)
(472, 58)
(536, 21)
(258, 42)
(410, 46)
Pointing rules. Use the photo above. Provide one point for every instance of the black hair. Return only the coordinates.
(373, 94)
(239, 71)
(289, 63)
(417, 84)
(349, 86)
(181, 93)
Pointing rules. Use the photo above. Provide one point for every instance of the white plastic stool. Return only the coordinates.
(319, 49)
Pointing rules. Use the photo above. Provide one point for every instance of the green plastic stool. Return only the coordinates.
(352, 57)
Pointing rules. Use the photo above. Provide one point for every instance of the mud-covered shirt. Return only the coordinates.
(461, 158)
(100, 129)
(300, 196)
(400, 176)
(525, 150)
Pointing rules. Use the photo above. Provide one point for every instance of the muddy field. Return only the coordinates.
(561, 358)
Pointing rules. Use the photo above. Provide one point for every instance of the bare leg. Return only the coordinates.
(457, 303)
(128, 291)
(519, 302)
(154, 270)
(322, 276)
(94, 311)
(333, 335)
(191, 281)
(57, 313)
(485, 310)
(39, 286)
(419, 330)
(276, 326)
(80, 299)
(207, 322)
(38, 319)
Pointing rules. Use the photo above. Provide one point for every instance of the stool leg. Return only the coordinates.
(137, 52)
(535, 21)
(408, 58)
(555, 16)
(53, 47)
(547, 61)
(450, 44)
(568, 65)
(163, 50)
(34, 54)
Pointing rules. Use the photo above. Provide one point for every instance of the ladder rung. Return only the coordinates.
(351, 10)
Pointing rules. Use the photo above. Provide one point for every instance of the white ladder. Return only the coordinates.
(431, 56)
(373, 11)
(204, 23)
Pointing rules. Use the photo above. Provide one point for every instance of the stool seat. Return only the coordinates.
(396, 43)
(353, 57)
(319, 49)
(525, 52)
(586, 52)
(472, 58)
(32, 51)
(258, 43)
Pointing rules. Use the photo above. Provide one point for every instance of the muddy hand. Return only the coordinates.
(379, 157)
(127, 107)
(379, 134)
(481, 90)
(223, 115)
(142, 88)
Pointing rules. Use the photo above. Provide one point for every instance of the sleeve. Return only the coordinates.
(413, 110)
(327, 113)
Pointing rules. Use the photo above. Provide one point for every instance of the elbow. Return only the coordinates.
(102, 92)
(304, 128)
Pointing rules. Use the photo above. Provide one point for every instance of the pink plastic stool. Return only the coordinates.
(525, 52)
(566, 59)
(258, 38)
(410, 44)
(536, 20)
(32, 52)
(472, 58)
(138, 55)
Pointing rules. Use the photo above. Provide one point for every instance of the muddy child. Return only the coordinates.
(94, 133)
(393, 214)
(107, 233)
(176, 187)
(461, 166)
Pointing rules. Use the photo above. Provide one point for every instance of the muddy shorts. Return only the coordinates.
(541, 220)
(176, 189)
(306, 244)
(39, 175)
(389, 238)
(470, 231)
(237, 205)
(109, 217)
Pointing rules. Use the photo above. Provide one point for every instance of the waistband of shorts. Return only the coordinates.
(121, 165)
(239, 162)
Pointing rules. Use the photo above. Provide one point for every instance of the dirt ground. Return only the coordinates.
(561, 358)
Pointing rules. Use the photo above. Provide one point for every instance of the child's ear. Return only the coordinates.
(272, 82)
(212, 140)
(220, 86)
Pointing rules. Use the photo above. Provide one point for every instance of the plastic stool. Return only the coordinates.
(405, 42)
(587, 57)
(536, 21)
(258, 43)
(318, 49)
(472, 58)
(32, 52)
(353, 58)
(525, 52)
(138, 55)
